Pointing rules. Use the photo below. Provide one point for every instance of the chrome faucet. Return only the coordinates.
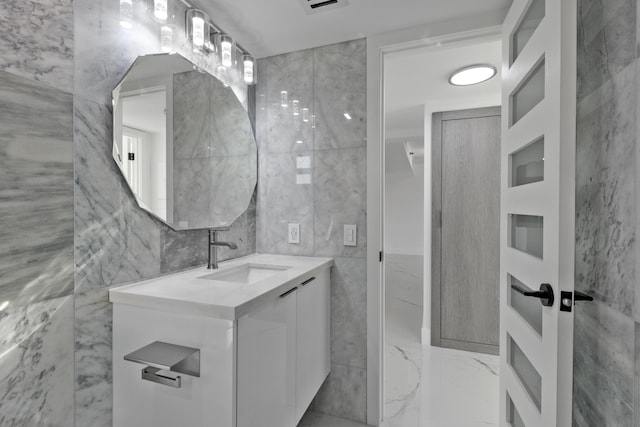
(213, 246)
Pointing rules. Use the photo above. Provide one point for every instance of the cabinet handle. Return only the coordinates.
(288, 292)
(151, 374)
(306, 282)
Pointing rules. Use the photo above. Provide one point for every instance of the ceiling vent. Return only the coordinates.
(316, 6)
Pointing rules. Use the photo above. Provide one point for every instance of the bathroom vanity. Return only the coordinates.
(257, 328)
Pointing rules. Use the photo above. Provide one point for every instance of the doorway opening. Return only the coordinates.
(439, 344)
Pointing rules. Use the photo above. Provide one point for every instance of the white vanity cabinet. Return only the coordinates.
(283, 355)
(267, 364)
(312, 340)
(264, 347)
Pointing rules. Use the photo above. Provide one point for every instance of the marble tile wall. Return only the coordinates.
(115, 241)
(36, 207)
(606, 335)
(320, 183)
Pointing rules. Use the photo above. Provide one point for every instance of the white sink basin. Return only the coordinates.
(246, 273)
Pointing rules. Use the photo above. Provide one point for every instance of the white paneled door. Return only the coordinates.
(537, 213)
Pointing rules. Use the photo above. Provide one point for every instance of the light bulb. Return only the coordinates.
(166, 39)
(198, 31)
(284, 99)
(226, 46)
(296, 107)
(126, 14)
(248, 69)
(160, 9)
(305, 115)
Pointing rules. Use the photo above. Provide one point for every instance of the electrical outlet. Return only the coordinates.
(294, 233)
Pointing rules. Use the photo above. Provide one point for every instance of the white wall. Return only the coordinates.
(404, 208)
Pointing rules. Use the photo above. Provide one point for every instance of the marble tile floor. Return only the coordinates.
(426, 386)
(432, 387)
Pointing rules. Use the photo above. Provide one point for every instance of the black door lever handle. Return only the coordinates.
(568, 299)
(579, 296)
(545, 293)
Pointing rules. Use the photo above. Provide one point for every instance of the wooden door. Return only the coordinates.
(466, 235)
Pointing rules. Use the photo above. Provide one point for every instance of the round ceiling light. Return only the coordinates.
(473, 75)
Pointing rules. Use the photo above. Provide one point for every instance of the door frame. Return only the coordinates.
(436, 232)
(423, 37)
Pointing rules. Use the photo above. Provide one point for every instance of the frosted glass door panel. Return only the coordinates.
(528, 95)
(513, 416)
(526, 372)
(527, 27)
(529, 308)
(526, 234)
(527, 165)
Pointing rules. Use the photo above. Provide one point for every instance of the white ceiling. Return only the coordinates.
(271, 27)
(420, 77)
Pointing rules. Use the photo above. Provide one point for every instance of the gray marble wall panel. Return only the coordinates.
(320, 183)
(340, 86)
(606, 41)
(115, 242)
(294, 73)
(36, 366)
(286, 201)
(104, 50)
(36, 41)
(604, 359)
(36, 207)
(340, 197)
(636, 385)
(348, 320)
(93, 327)
(36, 191)
(605, 196)
(605, 336)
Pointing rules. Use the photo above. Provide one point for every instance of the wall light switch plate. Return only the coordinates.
(350, 235)
(294, 233)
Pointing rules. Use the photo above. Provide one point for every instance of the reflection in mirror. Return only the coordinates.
(184, 143)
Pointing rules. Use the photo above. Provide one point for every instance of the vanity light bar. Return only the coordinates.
(200, 28)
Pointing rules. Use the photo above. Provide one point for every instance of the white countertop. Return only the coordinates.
(188, 293)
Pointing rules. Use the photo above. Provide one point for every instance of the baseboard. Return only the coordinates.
(426, 337)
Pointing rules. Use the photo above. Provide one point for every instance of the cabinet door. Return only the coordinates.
(266, 365)
(313, 343)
